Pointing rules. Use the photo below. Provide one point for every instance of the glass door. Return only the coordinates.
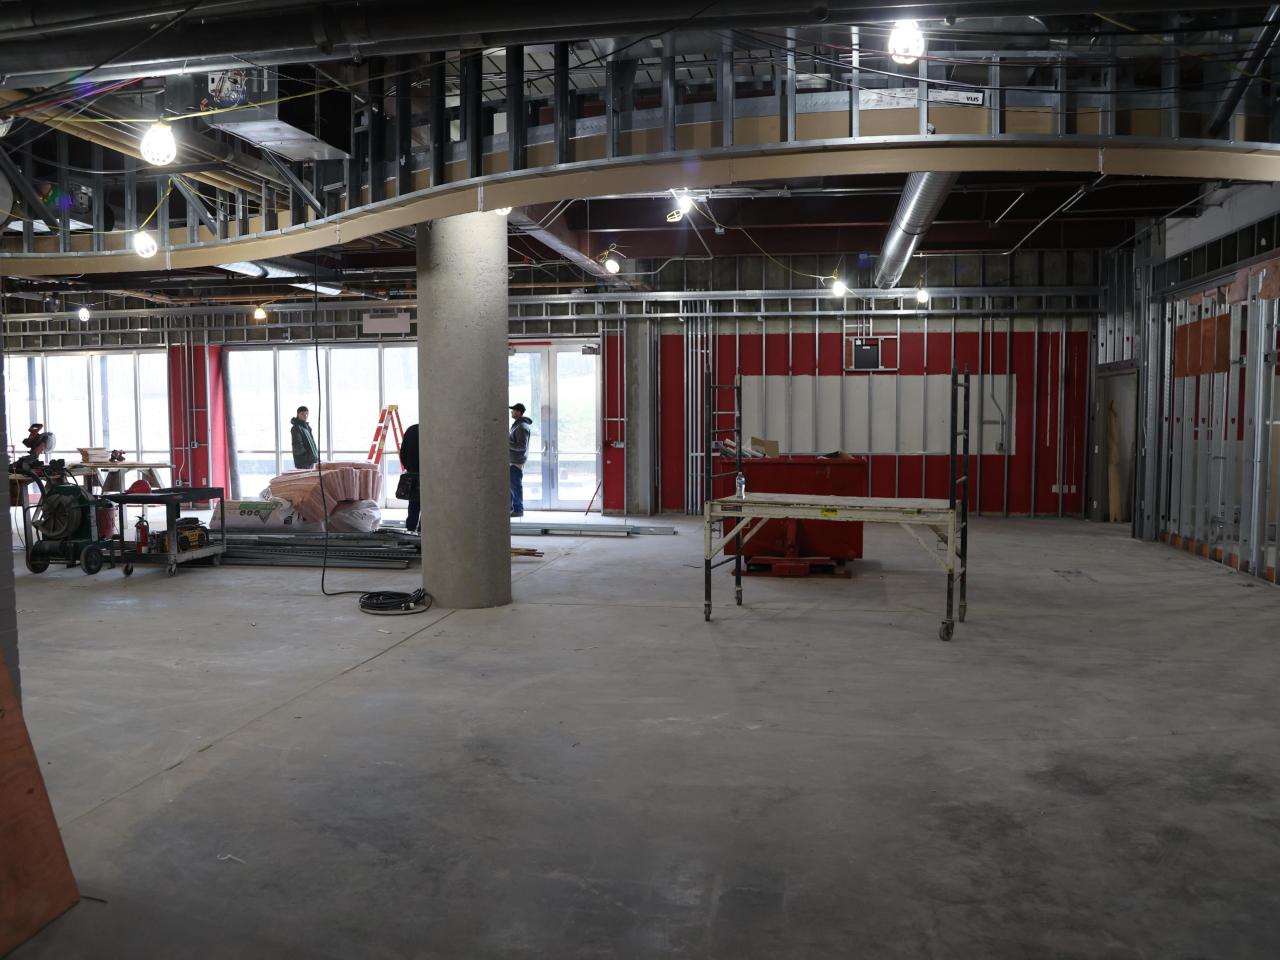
(560, 388)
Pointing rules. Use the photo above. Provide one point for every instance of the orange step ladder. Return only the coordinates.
(388, 422)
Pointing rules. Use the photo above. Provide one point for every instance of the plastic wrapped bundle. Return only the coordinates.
(343, 482)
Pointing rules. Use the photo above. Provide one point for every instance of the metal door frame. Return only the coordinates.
(548, 422)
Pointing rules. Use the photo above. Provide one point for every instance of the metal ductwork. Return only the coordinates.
(922, 198)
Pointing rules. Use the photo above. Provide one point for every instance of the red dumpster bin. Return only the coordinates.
(791, 548)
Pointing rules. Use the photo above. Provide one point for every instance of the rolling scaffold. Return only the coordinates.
(741, 517)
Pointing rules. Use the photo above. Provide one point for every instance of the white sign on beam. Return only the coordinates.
(386, 322)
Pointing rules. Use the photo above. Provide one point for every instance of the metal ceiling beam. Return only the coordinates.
(378, 27)
(1258, 53)
(31, 201)
(196, 205)
(560, 240)
(295, 183)
(126, 141)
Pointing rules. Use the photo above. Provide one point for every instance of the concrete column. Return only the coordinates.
(463, 416)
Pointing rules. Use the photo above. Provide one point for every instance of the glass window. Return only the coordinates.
(524, 385)
(153, 405)
(115, 424)
(298, 389)
(577, 423)
(400, 381)
(68, 404)
(355, 405)
(253, 406)
(254, 472)
(24, 398)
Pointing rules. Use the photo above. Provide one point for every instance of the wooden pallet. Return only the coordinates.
(795, 567)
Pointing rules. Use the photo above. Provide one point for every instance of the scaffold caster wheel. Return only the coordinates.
(706, 612)
(946, 630)
(963, 607)
(171, 570)
(128, 569)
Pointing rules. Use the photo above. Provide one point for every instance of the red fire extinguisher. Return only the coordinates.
(143, 531)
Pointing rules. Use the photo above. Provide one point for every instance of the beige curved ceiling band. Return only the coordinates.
(1208, 160)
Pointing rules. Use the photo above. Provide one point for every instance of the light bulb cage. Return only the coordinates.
(906, 42)
(144, 244)
(158, 146)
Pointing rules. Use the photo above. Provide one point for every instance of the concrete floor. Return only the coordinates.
(245, 769)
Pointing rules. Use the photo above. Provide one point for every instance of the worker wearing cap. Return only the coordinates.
(518, 449)
(305, 452)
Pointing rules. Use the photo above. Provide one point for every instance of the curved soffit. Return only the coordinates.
(704, 169)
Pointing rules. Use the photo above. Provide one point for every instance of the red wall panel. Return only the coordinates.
(910, 354)
(197, 437)
(671, 422)
(612, 431)
(1034, 385)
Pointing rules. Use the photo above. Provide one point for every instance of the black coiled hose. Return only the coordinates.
(391, 603)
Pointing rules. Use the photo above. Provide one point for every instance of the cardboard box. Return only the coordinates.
(768, 447)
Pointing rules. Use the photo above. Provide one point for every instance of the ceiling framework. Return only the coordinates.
(356, 122)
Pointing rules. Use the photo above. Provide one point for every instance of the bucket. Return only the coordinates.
(106, 522)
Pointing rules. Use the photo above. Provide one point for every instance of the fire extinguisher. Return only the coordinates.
(143, 531)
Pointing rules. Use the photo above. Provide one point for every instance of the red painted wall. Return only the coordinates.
(205, 463)
(768, 355)
(613, 432)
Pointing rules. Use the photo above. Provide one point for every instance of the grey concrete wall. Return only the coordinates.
(462, 401)
(8, 604)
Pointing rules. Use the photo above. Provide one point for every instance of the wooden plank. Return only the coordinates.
(871, 503)
(36, 885)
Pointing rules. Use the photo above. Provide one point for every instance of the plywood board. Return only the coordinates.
(36, 885)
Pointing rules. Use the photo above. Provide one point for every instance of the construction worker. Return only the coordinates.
(305, 452)
(410, 482)
(518, 449)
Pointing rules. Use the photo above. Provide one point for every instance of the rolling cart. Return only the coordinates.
(172, 499)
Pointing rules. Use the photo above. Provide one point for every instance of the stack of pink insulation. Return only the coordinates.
(345, 481)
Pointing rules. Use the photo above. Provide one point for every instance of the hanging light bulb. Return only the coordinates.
(144, 244)
(838, 287)
(158, 146)
(501, 211)
(684, 202)
(83, 314)
(906, 42)
(259, 312)
(922, 295)
(612, 264)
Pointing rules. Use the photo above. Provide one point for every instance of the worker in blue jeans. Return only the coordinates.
(518, 450)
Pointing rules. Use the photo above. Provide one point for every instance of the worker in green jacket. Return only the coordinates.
(305, 452)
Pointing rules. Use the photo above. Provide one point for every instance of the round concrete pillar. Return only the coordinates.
(462, 410)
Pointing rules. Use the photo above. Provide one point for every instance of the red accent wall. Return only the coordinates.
(772, 355)
(205, 463)
(613, 432)
(671, 422)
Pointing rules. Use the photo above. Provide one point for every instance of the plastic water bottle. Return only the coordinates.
(741, 484)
